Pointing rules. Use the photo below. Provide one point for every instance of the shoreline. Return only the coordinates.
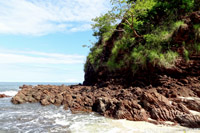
(91, 122)
(148, 104)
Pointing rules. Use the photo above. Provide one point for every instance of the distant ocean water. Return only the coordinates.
(34, 118)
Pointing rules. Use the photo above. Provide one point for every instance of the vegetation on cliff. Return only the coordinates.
(136, 33)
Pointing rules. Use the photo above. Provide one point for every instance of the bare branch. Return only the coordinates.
(121, 30)
(128, 22)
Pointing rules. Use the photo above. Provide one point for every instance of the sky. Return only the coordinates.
(41, 40)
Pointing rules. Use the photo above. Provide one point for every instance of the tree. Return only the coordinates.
(103, 25)
(125, 11)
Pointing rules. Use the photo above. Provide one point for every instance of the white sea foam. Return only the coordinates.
(145, 127)
(190, 98)
(62, 122)
(9, 93)
(195, 112)
(36, 118)
(105, 125)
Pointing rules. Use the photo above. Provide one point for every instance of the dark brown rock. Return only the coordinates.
(181, 35)
(184, 81)
(193, 105)
(3, 96)
(182, 108)
(160, 109)
(104, 105)
(189, 120)
(198, 93)
(131, 110)
(195, 17)
(116, 101)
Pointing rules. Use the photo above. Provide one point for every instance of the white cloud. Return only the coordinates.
(34, 66)
(39, 17)
(32, 73)
(33, 57)
(81, 28)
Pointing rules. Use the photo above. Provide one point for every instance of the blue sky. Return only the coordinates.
(41, 40)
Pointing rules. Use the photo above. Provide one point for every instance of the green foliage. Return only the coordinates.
(186, 54)
(176, 6)
(197, 47)
(165, 11)
(104, 26)
(197, 33)
(160, 37)
(152, 40)
(148, 26)
(196, 5)
(183, 5)
(94, 57)
(94, 54)
(154, 57)
(150, 52)
(168, 59)
(141, 56)
(197, 27)
(138, 15)
(121, 45)
(128, 11)
(177, 24)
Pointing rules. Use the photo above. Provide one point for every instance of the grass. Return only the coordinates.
(94, 57)
(186, 54)
(155, 50)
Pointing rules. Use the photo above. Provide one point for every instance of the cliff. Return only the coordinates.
(184, 41)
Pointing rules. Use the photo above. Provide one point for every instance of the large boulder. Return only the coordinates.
(192, 121)
(123, 109)
(19, 98)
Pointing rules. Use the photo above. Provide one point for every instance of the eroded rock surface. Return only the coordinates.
(163, 103)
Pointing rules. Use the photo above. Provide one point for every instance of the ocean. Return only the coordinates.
(34, 118)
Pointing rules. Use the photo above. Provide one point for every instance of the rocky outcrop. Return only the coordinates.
(120, 109)
(185, 34)
(169, 102)
(3, 96)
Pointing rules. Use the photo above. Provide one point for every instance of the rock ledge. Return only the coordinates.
(174, 101)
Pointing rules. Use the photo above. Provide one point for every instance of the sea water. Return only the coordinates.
(34, 118)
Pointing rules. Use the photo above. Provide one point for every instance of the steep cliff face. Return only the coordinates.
(186, 36)
(92, 75)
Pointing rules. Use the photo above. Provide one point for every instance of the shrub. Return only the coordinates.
(186, 54)
(168, 59)
(94, 57)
